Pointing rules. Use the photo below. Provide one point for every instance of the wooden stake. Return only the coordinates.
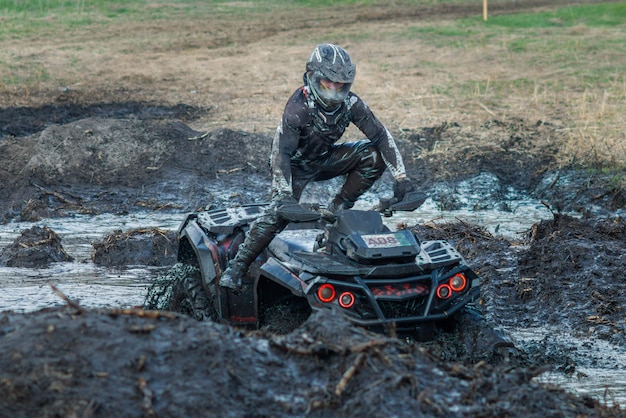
(485, 10)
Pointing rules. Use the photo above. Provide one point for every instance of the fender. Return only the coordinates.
(278, 273)
(202, 246)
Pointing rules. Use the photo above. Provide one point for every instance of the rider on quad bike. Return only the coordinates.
(304, 149)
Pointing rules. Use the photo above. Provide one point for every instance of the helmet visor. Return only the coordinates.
(330, 92)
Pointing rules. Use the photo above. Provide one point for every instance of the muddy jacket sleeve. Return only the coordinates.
(364, 119)
(285, 144)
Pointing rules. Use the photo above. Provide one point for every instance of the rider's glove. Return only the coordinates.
(401, 187)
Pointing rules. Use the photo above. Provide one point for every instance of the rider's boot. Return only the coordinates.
(260, 235)
(232, 277)
(238, 267)
(336, 205)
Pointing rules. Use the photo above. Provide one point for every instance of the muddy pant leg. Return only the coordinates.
(363, 165)
(261, 233)
(299, 182)
(358, 182)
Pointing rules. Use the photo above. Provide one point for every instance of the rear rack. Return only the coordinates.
(224, 221)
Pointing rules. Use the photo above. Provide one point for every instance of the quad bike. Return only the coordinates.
(353, 263)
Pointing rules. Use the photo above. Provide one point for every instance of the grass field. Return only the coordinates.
(421, 62)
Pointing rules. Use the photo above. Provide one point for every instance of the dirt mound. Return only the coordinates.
(564, 276)
(36, 247)
(454, 153)
(570, 270)
(72, 362)
(97, 165)
(148, 247)
(25, 121)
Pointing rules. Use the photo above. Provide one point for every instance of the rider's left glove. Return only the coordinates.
(401, 187)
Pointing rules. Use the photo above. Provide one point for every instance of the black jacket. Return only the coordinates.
(307, 132)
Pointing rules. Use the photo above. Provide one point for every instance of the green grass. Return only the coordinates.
(547, 39)
(597, 15)
(117, 8)
(28, 17)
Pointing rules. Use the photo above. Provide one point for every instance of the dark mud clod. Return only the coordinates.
(35, 247)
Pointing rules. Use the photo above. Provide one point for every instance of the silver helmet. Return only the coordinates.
(330, 74)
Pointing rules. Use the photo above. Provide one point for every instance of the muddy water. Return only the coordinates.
(26, 289)
(23, 290)
(600, 369)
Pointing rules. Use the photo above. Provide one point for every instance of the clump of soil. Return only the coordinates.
(36, 247)
(143, 246)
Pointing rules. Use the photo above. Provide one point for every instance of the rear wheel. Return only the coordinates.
(181, 290)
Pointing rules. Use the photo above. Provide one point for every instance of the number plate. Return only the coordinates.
(385, 240)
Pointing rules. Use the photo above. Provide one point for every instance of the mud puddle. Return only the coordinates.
(586, 366)
(26, 289)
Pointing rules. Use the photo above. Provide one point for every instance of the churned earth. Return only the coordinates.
(126, 150)
(77, 362)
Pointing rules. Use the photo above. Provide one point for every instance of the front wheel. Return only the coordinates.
(181, 290)
(201, 304)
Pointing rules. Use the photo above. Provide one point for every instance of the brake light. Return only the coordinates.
(326, 293)
(458, 282)
(346, 300)
(444, 291)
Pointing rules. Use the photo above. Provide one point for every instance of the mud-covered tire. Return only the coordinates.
(181, 290)
(201, 305)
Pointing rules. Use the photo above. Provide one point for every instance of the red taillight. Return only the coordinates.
(458, 282)
(326, 293)
(346, 300)
(444, 291)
